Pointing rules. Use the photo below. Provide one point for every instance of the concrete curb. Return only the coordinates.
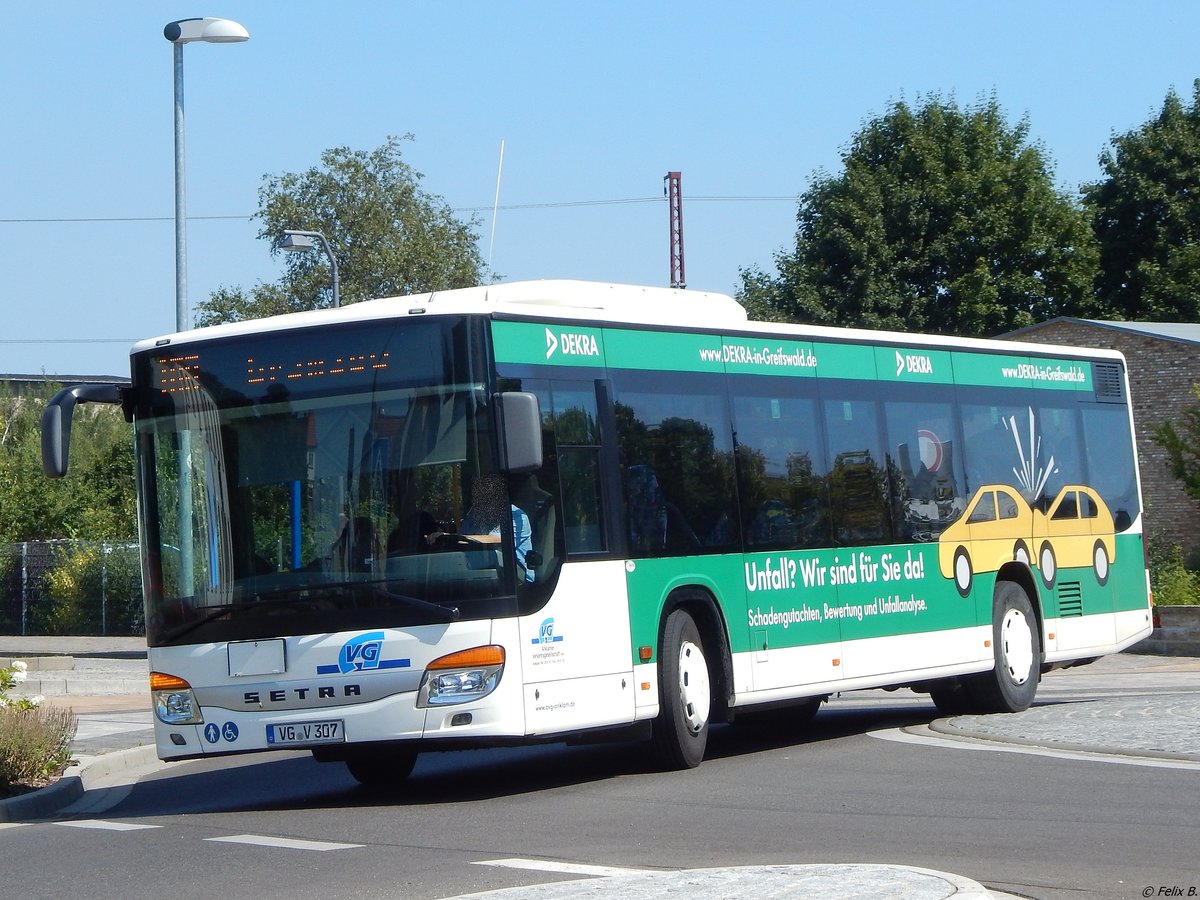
(85, 775)
(67, 687)
(945, 726)
(1178, 633)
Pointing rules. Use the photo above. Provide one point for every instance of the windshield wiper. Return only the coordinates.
(436, 610)
(257, 603)
(290, 595)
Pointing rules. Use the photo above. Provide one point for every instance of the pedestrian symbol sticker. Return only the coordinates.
(214, 732)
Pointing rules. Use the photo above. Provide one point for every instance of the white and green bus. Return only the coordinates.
(533, 511)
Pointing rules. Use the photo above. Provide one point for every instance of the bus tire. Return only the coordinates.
(382, 770)
(1017, 648)
(952, 699)
(804, 712)
(680, 732)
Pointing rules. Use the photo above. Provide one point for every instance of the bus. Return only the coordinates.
(558, 510)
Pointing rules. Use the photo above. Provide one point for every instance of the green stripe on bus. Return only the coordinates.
(554, 344)
(668, 351)
(913, 366)
(799, 598)
(995, 370)
(565, 344)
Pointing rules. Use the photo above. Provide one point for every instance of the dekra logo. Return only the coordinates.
(572, 344)
(913, 363)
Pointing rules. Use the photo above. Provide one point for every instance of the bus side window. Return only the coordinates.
(579, 470)
(645, 510)
(858, 479)
(577, 442)
(782, 486)
(675, 441)
(538, 505)
(925, 472)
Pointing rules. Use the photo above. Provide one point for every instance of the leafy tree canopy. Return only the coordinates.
(96, 502)
(1181, 440)
(943, 220)
(1147, 218)
(389, 237)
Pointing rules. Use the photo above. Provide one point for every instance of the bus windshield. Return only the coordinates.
(318, 480)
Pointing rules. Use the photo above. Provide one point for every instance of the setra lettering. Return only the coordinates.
(285, 695)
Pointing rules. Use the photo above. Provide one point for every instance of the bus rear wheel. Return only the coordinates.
(680, 733)
(1017, 647)
(952, 699)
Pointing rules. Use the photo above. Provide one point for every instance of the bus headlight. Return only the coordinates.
(174, 702)
(461, 677)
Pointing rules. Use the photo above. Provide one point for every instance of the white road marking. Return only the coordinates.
(262, 840)
(103, 825)
(545, 865)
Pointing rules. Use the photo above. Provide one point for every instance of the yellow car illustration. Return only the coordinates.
(993, 530)
(999, 526)
(1076, 530)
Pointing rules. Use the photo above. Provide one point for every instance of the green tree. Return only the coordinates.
(1146, 216)
(388, 235)
(943, 220)
(1181, 440)
(95, 503)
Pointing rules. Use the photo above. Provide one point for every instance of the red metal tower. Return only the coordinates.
(674, 192)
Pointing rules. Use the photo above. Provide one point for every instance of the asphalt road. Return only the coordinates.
(283, 826)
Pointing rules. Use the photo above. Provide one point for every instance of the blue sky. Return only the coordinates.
(594, 102)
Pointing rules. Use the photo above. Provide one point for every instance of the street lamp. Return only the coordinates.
(295, 241)
(187, 31)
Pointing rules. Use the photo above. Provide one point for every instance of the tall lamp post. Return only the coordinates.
(187, 31)
(294, 241)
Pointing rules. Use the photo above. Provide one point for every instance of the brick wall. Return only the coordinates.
(1161, 374)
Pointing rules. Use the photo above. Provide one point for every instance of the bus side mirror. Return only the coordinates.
(519, 424)
(56, 422)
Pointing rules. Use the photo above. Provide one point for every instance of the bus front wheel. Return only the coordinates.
(680, 732)
(382, 771)
(1017, 647)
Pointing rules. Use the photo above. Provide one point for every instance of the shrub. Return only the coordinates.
(94, 589)
(35, 741)
(35, 744)
(1173, 583)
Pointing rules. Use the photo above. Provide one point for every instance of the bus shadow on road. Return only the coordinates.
(774, 730)
(294, 781)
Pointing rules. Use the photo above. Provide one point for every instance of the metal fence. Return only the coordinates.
(70, 587)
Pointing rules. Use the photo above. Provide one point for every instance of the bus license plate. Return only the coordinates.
(330, 732)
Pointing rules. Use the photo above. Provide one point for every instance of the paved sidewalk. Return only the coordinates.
(1137, 705)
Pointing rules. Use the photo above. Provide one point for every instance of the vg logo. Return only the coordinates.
(546, 633)
(362, 652)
